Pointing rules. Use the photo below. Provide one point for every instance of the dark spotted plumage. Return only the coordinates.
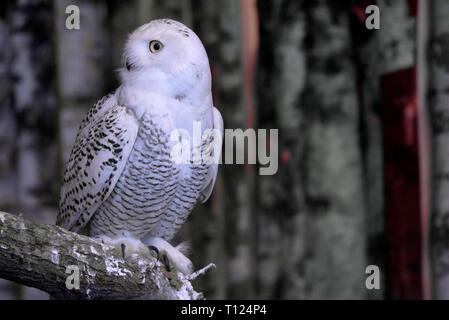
(103, 143)
(151, 196)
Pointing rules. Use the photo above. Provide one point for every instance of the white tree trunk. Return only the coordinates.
(280, 80)
(31, 44)
(439, 110)
(333, 188)
(80, 56)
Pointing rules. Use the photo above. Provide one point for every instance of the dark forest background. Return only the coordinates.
(363, 145)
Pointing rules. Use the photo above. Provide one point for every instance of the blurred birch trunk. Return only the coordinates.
(367, 57)
(8, 133)
(34, 106)
(396, 36)
(29, 153)
(8, 123)
(280, 85)
(332, 178)
(439, 118)
(80, 59)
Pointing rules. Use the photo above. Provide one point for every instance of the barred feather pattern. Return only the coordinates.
(102, 145)
(154, 195)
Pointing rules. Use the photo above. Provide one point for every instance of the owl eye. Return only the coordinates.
(156, 46)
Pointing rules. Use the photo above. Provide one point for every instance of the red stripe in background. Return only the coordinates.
(402, 184)
(413, 5)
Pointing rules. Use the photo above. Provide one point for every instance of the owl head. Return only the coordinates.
(166, 55)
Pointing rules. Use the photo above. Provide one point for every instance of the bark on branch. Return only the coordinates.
(37, 255)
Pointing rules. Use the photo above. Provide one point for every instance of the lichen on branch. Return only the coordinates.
(38, 255)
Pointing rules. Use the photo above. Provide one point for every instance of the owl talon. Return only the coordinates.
(156, 250)
(162, 256)
(165, 261)
(178, 261)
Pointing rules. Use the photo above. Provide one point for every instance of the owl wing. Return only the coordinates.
(102, 147)
(213, 168)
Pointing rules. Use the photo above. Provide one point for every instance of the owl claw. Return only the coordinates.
(165, 261)
(173, 255)
(153, 248)
(162, 256)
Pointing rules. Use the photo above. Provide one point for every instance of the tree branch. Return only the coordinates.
(37, 255)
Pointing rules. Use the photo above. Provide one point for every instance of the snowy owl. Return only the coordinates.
(120, 182)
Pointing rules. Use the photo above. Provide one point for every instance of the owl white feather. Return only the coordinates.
(120, 182)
